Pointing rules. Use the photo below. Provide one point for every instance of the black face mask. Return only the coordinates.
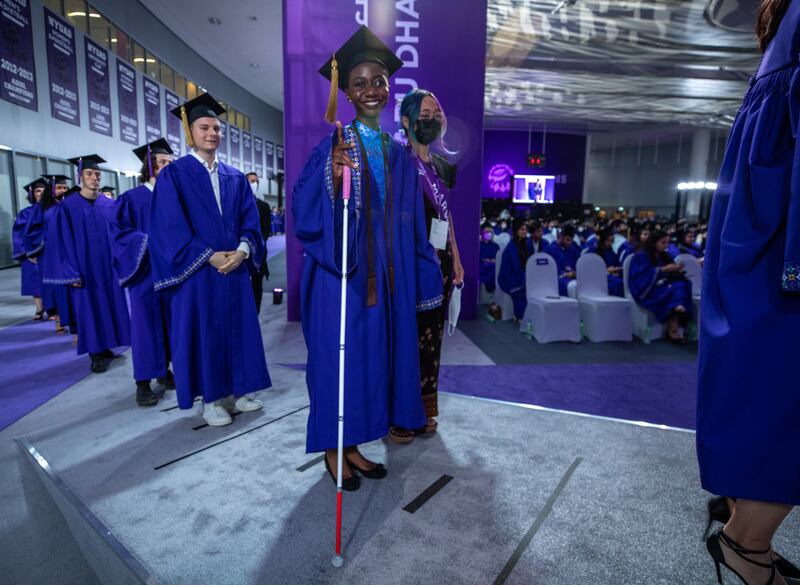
(426, 131)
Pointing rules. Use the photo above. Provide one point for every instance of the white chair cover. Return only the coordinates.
(604, 317)
(548, 317)
(501, 299)
(645, 325)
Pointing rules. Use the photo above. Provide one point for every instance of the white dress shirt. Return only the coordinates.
(213, 173)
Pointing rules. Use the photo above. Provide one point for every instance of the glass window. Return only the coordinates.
(167, 76)
(27, 168)
(6, 208)
(138, 53)
(120, 44)
(191, 90)
(60, 167)
(180, 85)
(100, 28)
(77, 12)
(109, 178)
(153, 65)
(56, 6)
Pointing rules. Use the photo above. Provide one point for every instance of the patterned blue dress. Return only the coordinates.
(748, 434)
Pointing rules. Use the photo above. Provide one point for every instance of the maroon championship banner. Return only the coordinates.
(247, 152)
(62, 69)
(235, 141)
(258, 157)
(174, 129)
(98, 87)
(222, 151)
(152, 109)
(128, 103)
(443, 48)
(17, 64)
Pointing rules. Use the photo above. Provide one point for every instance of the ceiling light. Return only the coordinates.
(151, 60)
(94, 15)
(214, 20)
(691, 185)
(138, 60)
(711, 186)
(683, 186)
(76, 13)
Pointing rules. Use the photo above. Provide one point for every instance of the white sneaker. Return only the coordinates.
(215, 415)
(247, 403)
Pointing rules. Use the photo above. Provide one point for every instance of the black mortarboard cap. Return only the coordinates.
(363, 47)
(89, 161)
(203, 106)
(160, 146)
(34, 184)
(72, 190)
(107, 188)
(56, 179)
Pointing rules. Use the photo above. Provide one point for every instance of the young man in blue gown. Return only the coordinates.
(80, 234)
(566, 253)
(204, 241)
(149, 310)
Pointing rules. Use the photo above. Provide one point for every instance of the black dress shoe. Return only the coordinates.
(98, 364)
(167, 381)
(144, 395)
(377, 472)
(108, 354)
(350, 484)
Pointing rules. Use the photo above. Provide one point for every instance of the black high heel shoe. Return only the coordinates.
(714, 546)
(350, 484)
(377, 472)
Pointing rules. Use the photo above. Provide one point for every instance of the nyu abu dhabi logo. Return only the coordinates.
(499, 177)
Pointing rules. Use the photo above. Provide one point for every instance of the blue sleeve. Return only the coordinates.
(430, 293)
(790, 279)
(642, 275)
(18, 234)
(33, 233)
(510, 277)
(318, 215)
(176, 252)
(67, 269)
(128, 243)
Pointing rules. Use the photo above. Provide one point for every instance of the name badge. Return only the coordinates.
(439, 232)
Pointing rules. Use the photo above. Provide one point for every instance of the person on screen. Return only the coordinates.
(512, 268)
(149, 309)
(204, 243)
(80, 234)
(566, 253)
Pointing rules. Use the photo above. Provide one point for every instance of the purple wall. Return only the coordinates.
(506, 152)
(444, 50)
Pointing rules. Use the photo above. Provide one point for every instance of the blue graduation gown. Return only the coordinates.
(488, 256)
(56, 298)
(80, 234)
(382, 381)
(748, 435)
(31, 282)
(149, 309)
(655, 291)
(215, 337)
(566, 260)
(512, 276)
(616, 286)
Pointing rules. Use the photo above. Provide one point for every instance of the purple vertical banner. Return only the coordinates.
(222, 151)
(174, 126)
(258, 157)
(152, 109)
(234, 147)
(279, 158)
(62, 69)
(443, 50)
(269, 153)
(247, 152)
(128, 103)
(98, 87)
(17, 65)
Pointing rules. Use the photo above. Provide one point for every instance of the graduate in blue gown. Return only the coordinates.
(657, 284)
(566, 253)
(488, 259)
(748, 435)
(685, 243)
(602, 245)
(30, 279)
(204, 241)
(393, 272)
(55, 297)
(512, 268)
(80, 235)
(149, 310)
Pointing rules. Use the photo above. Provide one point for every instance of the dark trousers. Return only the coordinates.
(258, 285)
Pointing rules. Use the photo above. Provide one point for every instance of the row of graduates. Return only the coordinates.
(656, 280)
(278, 221)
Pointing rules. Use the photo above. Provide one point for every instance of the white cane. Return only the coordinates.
(338, 559)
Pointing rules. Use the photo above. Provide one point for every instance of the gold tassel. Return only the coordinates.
(186, 130)
(372, 291)
(333, 97)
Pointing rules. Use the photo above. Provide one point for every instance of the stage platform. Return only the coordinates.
(503, 494)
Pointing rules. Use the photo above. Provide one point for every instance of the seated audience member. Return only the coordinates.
(622, 246)
(488, 255)
(512, 268)
(686, 243)
(566, 253)
(658, 285)
(603, 248)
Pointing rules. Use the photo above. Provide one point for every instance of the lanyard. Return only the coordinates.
(436, 191)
